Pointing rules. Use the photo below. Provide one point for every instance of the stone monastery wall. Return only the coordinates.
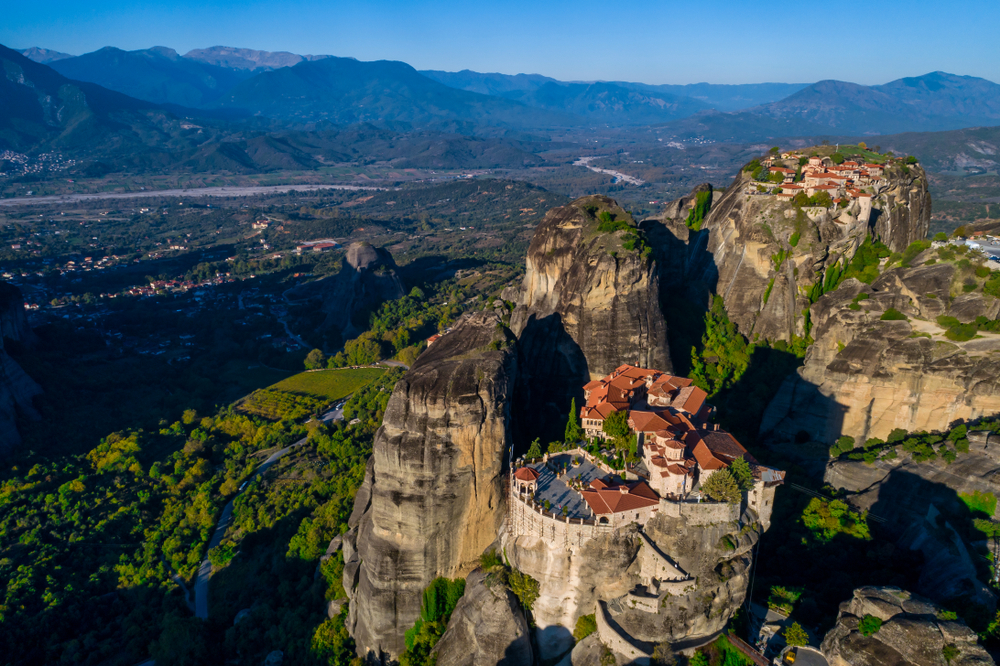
(527, 520)
(556, 529)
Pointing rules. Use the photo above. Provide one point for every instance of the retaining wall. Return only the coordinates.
(617, 642)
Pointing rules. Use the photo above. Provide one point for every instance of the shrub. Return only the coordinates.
(912, 250)
(947, 321)
(585, 626)
(702, 203)
(941, 237)
(892, 314)
(961, 333)
(949, 652)
(982, 272)
(992, 286)
(796, 636)
(794, 239)
(869, 625)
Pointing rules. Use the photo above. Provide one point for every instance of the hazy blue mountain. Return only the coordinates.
(248, 59)
(489, 83)
(721, 97)
(42, 110)
(736, 127)
(948, 95)
(933, 102)
(725, 97)
(44, 56)
(157, 75)
(346, 91)
(609, 103)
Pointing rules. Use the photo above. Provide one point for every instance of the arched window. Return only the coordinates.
(603, 520)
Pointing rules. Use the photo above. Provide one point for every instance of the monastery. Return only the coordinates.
(677, 447)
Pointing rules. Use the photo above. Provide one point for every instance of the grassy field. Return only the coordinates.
(330, 385)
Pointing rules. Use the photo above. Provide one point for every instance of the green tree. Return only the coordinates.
(574, 433)
(796, 636)
(724, 356)
(837, 158)
(616, 427)
(535, 450)
(315, 360)
(721, 487)
(742, 474)
(699, 659)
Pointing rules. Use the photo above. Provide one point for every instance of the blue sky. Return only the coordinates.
(654, 42)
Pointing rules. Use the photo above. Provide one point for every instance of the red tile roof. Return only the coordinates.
(526, 474)
(605, 498)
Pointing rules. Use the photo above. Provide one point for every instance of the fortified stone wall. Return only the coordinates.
(526, 520)
(616, 641)
(701, 513)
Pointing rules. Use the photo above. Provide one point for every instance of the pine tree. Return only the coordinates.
(722, 487)
(574, 433)
(740, 469)
(535, 450)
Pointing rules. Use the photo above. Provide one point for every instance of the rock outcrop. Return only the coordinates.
(763, 255)
(575, 579)
(914, 632)
(366, 279)
(431, 500)
(590, 302)
(865, 376)
(17, 389)
(487, 628)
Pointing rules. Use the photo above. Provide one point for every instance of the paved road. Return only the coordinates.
(205, 570)
(188, 193)
(394, 364)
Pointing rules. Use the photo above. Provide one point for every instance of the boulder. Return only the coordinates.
(913, 633)
(487, 627)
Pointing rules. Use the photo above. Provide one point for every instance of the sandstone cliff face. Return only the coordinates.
(587, 305)
(487, 628)
(864, 377)
(431, 500)
(366, 279)
(744, 250)
(573, 578)
(912, 633)
(17, 389)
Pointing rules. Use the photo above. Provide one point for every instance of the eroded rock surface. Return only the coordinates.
(864, 376)
(587, 305)
(431, 500)
(367, 278)
(487, 628)
(573, 578)
(763, 255)
(913, 633)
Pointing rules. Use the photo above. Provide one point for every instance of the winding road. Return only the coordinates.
(205, 570)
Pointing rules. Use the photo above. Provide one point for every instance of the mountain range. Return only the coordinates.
(240, 109)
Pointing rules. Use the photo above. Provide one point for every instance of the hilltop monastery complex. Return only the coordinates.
(677, 446)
